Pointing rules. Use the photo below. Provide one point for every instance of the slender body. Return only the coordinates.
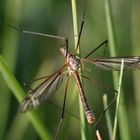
(73, 63)
(52, 82)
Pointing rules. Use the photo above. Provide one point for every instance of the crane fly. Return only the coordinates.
(73, 62)
(71, 67)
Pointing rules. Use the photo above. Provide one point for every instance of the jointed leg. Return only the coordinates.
(63, 110)
(41, 34)
(103, 43)
(111, 102)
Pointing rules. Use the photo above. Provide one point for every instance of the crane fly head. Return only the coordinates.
(64, 51)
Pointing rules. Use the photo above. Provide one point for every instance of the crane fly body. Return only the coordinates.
(51, 84)
(73, 62)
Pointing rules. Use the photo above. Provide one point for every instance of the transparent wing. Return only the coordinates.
(42, 91)
(113, 63)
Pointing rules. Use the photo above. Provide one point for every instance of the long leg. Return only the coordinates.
(79, 36)
(44, 77)
(99, 84)
(26, 84)
(37, 33)
(41, 34)
(111, 102)
(81, 28)
(103, 43)
(63, 110)
(68, 112)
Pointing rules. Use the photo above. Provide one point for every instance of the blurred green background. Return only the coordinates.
(30, 56)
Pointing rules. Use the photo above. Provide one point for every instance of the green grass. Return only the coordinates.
(19, 94)
(24, 56)
(83, 121)
(112, 131)
(123, 120)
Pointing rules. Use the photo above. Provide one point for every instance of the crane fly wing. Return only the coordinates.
(114, 63)
(42, 91)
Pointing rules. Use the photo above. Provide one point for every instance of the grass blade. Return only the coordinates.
(107, 115)
(117, 103)
(19, 94)
(9, 48)
(84, 128)
(123, 119)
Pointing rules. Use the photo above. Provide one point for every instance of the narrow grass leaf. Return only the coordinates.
(123, 119)
(19, 94)
(84, 127)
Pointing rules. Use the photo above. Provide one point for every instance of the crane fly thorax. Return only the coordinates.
(73, 62)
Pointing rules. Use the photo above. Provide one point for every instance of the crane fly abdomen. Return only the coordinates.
(90, 117)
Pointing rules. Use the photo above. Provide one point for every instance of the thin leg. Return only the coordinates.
(37, 33)
(61, 70)
(34, 80)
(41, 34)
(27, 83)
(28, 87)
(106, 46)
(112, 101)
(63, 110)
(105, 42)
(56, 106)
(49, 102)
(81, 28)
(99, 84)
